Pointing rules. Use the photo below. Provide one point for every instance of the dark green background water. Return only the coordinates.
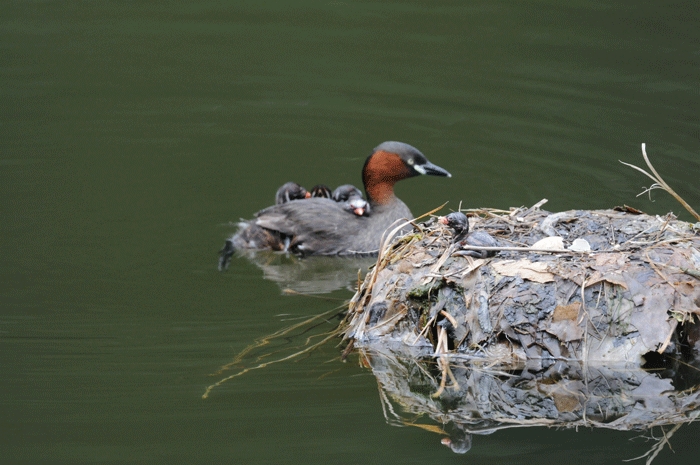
(131, 133)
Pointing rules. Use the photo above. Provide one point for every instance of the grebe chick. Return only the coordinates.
(346, 192)
(459, 223)
(290, 191)
(351, 197)
(321, 191)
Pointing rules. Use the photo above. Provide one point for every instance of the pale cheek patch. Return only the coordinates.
(419, 168)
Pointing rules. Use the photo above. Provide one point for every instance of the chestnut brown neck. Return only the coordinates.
(381, 171)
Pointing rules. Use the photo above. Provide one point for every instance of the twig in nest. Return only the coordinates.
(441, 349)
(660, 183)
(348, 349)
(314, 296)
(425, 328)
(493, 214)
(449, 317)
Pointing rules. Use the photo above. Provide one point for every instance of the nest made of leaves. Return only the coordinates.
(649, 263)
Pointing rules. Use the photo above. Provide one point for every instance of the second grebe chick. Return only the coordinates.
(321, 191)
(290, 191)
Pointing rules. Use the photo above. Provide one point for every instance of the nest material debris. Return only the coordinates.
(603, 285)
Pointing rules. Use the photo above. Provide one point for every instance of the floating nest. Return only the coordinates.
(591, 286)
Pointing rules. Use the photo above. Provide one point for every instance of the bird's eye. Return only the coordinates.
(410, 161)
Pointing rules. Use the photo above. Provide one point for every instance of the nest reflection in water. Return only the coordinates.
(460, 398)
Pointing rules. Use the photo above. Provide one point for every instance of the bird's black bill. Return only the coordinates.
(434, 170)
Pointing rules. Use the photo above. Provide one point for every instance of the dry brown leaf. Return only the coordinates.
(566, 312)
(526, 269)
